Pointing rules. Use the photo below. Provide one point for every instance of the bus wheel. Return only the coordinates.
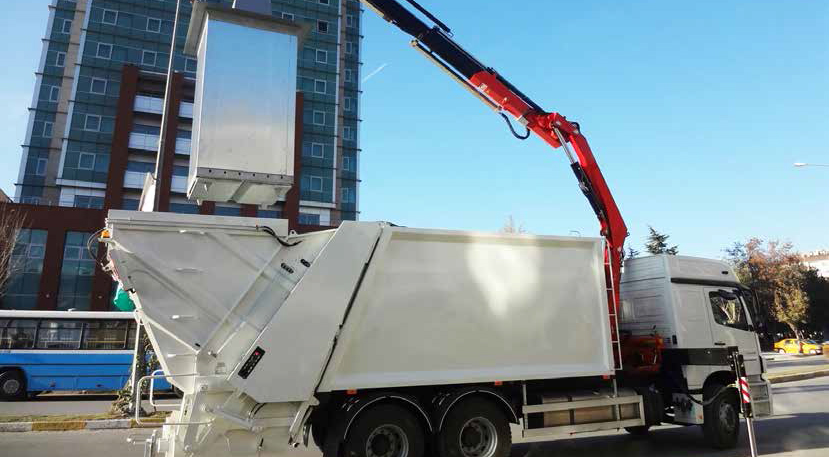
(12, 384)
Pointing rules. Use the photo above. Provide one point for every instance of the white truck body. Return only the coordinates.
(450, 307)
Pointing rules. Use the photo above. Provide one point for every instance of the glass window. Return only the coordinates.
(184, 208)
(227, 211)
(349, 75)
(323, 2)
(319, 86)
(348, 103)
(316, 150)
(346, 195)
(180, 170)
(19, 334)
(348, 133)
(25, 268)
(54, 93)
(288, 16)
(129, 204)
(350, 47)
(89, 201)
(92, 122)
(269, 213)
(67, 26)
(105, 335)
(190, 65)
(319, 118)
(104, 51)
(728, 310)
(347, 163)
(309, 219)
(322, 56)
(148, 58)
(350, 20)
(77, 270)
(59, 334)
(315, 183)
(110, 17)
(86, 161)
(322, 26)
(60, 59)
(153, 24)
(98, 86)
(47, 130)
(141, 167)
(40, 167)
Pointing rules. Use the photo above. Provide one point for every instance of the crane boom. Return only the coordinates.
(494, 90)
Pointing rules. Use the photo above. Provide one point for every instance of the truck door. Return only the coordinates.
(731, 325)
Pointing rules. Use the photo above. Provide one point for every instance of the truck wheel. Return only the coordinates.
(385, 431)
(475, 428)
(640, 430)
(720, 417)
(12, 384)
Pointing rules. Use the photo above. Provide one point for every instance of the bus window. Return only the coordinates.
(105, 334)
(59, 334)
(20, 334)
(131, 336)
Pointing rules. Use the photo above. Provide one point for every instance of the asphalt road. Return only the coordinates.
(800, 428)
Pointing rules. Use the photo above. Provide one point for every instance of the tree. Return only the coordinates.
(777, 276)
(510, 226)
(656, 243)
(12, 220)
(630, 253)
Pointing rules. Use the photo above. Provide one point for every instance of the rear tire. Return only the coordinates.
(385, 431)
(12, 385)
(475, 428)
(782, 351)
(721, 424)
(638, 431)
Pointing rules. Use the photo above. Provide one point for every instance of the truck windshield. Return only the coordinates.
(728, 310)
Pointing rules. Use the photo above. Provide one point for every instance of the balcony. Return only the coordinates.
(147, 104)
(134, 179)
(183, 146)
(144, 141)
(186, 110)
(178, 184)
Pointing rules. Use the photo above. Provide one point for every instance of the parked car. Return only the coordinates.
(796, 346)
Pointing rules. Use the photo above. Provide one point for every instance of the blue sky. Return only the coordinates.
(694, 110)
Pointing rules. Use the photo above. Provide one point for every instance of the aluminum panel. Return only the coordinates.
(243, 119)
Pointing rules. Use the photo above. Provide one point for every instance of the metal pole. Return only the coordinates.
(137, 352)
(164, 111)
(746, 401)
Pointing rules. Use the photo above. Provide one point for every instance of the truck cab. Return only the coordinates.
(695, 305)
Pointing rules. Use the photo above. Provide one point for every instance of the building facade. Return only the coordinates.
(94, 122)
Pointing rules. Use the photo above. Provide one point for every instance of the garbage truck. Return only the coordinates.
(373, 339)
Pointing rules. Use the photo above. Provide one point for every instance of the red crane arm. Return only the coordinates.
(500, 95)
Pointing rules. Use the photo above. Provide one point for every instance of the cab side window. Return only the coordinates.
(728, 311)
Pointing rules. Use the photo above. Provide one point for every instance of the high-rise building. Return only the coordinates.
(74, 116)
(94, 129)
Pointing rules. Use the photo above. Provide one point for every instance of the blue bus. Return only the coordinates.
(65, 351)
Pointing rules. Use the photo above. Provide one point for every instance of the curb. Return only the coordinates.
(797, 376)
(106, 424)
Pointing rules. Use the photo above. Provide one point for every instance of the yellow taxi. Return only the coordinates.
(796, 346)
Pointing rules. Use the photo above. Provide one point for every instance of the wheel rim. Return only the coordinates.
(478, 438)
(11, 386)
(387, 441)
(727, 417)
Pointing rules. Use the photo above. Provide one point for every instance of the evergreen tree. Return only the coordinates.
(656, 243)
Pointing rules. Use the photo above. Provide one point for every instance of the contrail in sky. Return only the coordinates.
(377, 70)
